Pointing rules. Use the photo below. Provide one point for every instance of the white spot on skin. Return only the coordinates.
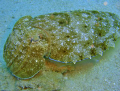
(36, 60)
(61, 44)
(73, 41)
(67, 31)
(86, 38)
(78, 23)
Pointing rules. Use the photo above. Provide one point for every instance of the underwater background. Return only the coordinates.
(89, 75)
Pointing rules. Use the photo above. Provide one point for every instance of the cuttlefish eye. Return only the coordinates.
(66, 37)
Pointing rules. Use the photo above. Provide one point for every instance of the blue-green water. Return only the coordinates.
(103, 76)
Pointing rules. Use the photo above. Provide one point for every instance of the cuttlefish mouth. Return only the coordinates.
(66, 37)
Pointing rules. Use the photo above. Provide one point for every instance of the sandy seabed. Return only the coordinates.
(102, 75)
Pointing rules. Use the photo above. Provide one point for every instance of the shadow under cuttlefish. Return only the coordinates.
(81, 66)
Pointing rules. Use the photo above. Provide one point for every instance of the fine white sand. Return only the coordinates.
(101, 76)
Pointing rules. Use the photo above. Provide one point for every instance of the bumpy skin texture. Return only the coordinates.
(65, 37)
(25, 49)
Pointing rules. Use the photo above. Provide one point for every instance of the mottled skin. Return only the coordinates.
(64, 37)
